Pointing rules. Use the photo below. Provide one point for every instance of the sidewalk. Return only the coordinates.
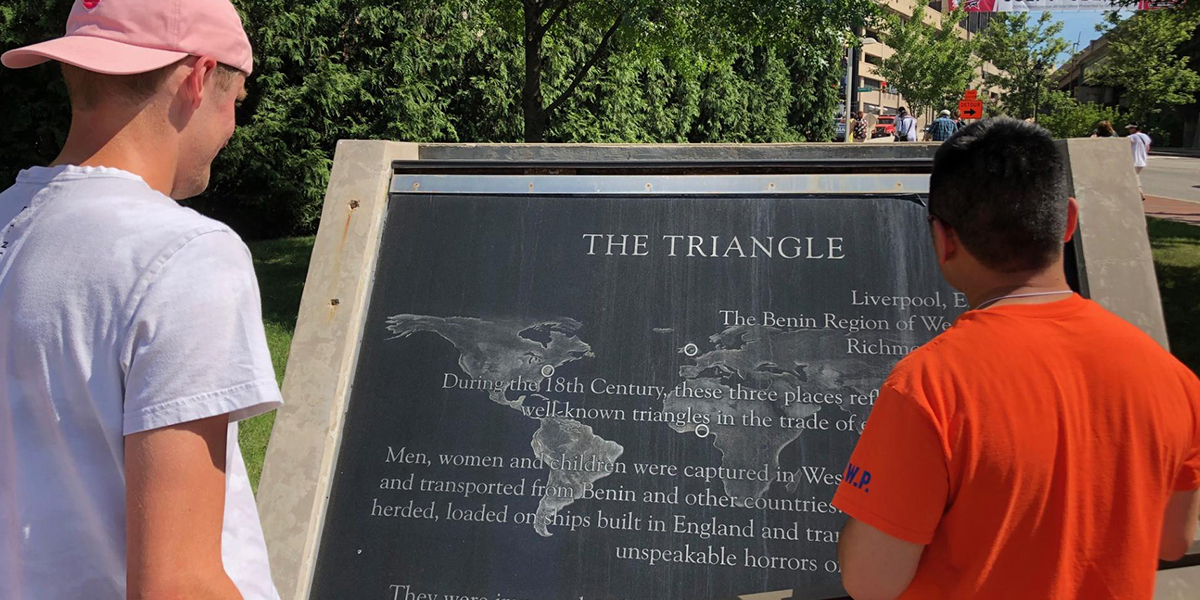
(1175, 210)
(1190, 152)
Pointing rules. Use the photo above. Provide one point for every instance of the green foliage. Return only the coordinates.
(1141, 60)
(1066, 117)
(34, 102)
(931, 65)
(1024, 51)
(353, 69)
(653, 30)
(454, 71)
(281, 266)
(1176, 248)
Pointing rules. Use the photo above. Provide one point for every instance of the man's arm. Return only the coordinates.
(1179, 524)
(894, 489)
(175, 507)
(875, 565)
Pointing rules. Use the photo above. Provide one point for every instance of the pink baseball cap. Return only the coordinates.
(126, 37)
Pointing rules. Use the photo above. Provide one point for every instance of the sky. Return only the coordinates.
(1078, 25)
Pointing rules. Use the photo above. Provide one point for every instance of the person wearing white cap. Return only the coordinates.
(905, 127)
(942, 128)
(1140, 144)
(131, 337)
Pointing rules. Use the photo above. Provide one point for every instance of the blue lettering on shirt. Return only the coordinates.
(858, 477)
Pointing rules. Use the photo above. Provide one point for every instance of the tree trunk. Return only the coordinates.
(531, 93)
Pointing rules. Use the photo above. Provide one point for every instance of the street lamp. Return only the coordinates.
(1039, 73)
(850, 83)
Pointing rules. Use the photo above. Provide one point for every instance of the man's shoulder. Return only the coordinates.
(128, 216)
(931, 366)
(130, 229)
(958, 352)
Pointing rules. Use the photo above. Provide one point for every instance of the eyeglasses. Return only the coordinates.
(930, 218)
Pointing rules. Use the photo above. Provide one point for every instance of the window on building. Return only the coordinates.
(874, 84)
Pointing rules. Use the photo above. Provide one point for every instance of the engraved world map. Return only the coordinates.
(494, 353)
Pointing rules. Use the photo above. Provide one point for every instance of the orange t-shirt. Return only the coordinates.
(1032, 448)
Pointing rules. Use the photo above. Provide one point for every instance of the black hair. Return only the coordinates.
(1001, 185)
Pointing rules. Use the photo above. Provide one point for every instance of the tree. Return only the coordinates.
(1066, 117)
(354, 69)
(1141, 60)
(656, 28)
(1025, 52)
(34, 103)
(453, 71)
(540, 17)
(931, 65)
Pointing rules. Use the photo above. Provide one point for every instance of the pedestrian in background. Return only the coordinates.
(860, 127)
(1140, 144)
(906, 126)
(131, 333)
(943, 127)
(1104, 129)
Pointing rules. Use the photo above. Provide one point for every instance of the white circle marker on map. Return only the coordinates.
(691, 350)
(547, 370)
(702, 435)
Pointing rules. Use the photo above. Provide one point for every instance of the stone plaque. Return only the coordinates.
(618, 397)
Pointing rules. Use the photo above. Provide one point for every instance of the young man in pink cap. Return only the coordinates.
(131, 339)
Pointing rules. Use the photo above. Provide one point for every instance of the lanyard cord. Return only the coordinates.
(983, 305)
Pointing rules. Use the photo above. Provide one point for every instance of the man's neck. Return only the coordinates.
(1035, 287)
(123, 142)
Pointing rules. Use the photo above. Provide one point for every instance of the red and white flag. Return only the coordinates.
(1036, 5)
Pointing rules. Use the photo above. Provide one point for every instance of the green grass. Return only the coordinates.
(1176, 248)
(282, 266)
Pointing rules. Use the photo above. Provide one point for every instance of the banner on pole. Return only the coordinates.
(1036, 5)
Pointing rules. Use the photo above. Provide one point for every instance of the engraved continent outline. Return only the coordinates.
(505, 350)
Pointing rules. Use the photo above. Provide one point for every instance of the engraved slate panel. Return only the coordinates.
(614, 397)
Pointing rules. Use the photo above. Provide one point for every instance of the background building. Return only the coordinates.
(870, 92)
(1177, 126)
(1071, 77)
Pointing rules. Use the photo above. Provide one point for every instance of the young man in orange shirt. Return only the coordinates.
(1041, 447)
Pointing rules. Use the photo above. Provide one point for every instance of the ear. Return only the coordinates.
(196, 83)
(945, 245)
(1072, 219)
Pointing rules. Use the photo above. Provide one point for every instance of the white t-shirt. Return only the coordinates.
(1141, 148)
(120, 312)
(908, 127)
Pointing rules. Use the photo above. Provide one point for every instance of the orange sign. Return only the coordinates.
(970, 109)
(971, 95)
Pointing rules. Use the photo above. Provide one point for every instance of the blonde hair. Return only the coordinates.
(87, 89)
